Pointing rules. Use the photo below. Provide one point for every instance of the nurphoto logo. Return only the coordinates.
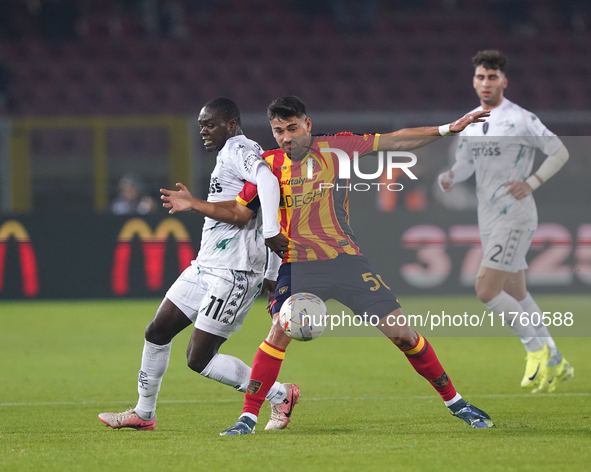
(389, 157)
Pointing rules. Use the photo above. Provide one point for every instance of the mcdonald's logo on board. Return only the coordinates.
(26, 253)
(153, 249)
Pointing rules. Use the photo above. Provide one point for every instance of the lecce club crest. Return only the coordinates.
(253, 386)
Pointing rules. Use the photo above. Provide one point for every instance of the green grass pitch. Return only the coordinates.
(362, 406)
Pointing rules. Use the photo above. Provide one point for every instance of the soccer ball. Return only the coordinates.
(303, 316)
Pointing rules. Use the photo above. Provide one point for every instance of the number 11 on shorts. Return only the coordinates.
(218, 308)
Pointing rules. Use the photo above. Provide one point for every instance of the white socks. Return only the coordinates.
(229, 371)
(505, 303)
(222, 368)
(455, 399)
(235, 373)
(154, 364)
(530, 306)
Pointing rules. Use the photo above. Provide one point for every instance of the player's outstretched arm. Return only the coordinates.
(230, 212)
(408, 139)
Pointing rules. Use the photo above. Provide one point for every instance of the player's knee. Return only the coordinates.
(157, 334)
(484, 292)
(399, 342)
(485, 295)
(198, 363)
(405, 341)
(152, 335)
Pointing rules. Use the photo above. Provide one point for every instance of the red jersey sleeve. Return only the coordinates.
(362, 143)
(249, 197)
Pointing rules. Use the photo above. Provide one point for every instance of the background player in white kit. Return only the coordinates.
(217, 290)
(501, 152)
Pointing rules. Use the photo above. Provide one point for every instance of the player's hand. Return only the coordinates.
(279, 244)
(446, 180)
(518, 189)
(177, 200)
(268, 287)
(468, 119)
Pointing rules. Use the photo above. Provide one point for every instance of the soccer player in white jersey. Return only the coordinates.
(501, 152)
(217, 290)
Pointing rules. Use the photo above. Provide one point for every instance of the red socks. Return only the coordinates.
(268, 359)
(424, 360)
(265, 370)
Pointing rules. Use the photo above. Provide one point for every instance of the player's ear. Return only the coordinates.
(505, 82)
(232, 124)
(308, 124)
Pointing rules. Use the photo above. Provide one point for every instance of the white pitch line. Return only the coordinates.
(317, 399)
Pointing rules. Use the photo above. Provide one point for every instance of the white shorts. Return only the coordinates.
(505, 248)
(216, 300)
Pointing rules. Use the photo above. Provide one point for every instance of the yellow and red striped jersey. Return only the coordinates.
(315, 217)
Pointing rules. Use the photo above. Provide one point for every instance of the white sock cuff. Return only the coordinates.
(144, 415)
(155, 352)
(249, 416)
(457, 398)
(493, 303)
(528, 299)
(209, 367)
(511, 310)
(277, 393)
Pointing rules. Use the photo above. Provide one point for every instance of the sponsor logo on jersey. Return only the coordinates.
(486, 149)
(215, 186)
(485, 127)
(293, 181)
(299, 200)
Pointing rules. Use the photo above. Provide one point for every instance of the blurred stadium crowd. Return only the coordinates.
(69, 57)
(374, 64)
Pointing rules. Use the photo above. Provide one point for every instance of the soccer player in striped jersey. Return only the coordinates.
(323, 256)
(501, 153)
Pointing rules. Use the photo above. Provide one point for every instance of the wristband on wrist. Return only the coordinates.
(533, 181)
(444, 130)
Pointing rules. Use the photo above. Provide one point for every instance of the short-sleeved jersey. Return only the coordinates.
(502, 149)
(223, 245)
(315, 217)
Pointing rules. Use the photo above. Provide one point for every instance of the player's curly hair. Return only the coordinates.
(491, 59)
(286, 107)
(225, 108)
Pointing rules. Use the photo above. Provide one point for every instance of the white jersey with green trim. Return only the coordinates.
(223, 245)
(499, 150)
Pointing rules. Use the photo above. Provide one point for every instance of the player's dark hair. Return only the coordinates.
(286, 107)
(491, 59)
(224, 108)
